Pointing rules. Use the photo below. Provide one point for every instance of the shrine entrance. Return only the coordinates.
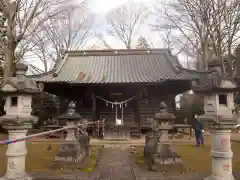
(118, 115)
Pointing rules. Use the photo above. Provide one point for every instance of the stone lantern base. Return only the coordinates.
(70, 152)
(84, 141)
(150, 145)
(74, 151)
(16, 152)
(166, 159)
(160, 155)
(24, 177)
(21, 176)
(167, 155)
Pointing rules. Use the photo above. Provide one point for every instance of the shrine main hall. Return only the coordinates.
(123, 86)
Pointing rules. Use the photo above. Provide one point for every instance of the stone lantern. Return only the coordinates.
(70, 118)
(165, 152)
(18, 119)
(218, 114)
(70, 151)
(164, 157)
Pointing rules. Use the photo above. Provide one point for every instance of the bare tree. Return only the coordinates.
(205, 28)
(176, 46)
(124, 21)
(23, 20)
(62, 33)
(102, 42)
(167, 39)
(142, 43)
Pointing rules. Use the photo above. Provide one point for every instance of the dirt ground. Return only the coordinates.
(197, 159)
(40, 159)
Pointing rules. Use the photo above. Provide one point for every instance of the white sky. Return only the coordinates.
(101, 7)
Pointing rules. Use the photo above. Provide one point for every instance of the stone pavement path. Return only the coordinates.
(115, 164)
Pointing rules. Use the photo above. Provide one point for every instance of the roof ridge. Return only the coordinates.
(61, 63)
(194, 71)
(55, 70)
(110, 52)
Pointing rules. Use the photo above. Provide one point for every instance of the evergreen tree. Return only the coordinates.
(2, 28)
(2, 41)
(45, 106)
(142, 43)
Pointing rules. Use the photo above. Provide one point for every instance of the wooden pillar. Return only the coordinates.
(173, 103)
(137, 117)
(170, 101)
(94, 114)
(94, 107)
(63, 105)
(97, 118)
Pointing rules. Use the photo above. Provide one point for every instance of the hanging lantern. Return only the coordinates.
(125, 104)
(120, 105)
(106, 103)
(112, 105)
(146, 101)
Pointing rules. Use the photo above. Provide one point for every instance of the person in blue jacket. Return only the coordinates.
(198, 132)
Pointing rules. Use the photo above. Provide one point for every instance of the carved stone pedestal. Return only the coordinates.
(166, 158)
(167, 155)
(221, 154)
(69, 152)
(74, 151)
(150, 145)
(84, 142)
(16, 154)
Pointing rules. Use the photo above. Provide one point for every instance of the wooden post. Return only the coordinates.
(94, 115)
(137, 118)
(173, 103)
(63, 105)
(170, 101)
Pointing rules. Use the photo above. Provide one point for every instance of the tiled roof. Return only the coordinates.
(117, 66)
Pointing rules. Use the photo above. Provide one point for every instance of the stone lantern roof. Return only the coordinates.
(215, 80)
(218, 88)
(20, 84)
(70, 115)
(164, 114)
